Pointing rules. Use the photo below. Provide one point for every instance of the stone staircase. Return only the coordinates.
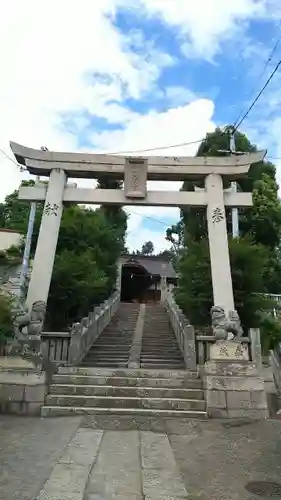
(160, 349)
(112, 348)
(103, 385)
(133, 393)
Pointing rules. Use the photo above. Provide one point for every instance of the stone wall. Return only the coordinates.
(8, 238)
(234, 390)
(22, 387)
(234, 386)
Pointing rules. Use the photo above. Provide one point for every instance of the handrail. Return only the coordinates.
(184, 332)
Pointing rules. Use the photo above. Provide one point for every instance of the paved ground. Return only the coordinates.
(73, 459)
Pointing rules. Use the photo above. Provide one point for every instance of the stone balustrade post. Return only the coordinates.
(256, 347)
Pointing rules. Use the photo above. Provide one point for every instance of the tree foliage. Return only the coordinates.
(147, 248)
(255, 256)
(89, 244)
(14, 214)
(195, 286)
(6, 319)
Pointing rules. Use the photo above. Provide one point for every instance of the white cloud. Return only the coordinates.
(63, 57)
(176, 125)
(204, 24)
(178, 95)
(68, 58)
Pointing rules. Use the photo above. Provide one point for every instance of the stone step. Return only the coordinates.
(104, 364)
(159, 341)
(106, 359)
(114, 348)
(150, 327)
(139, 373)
(124, 402)
(115, 335)
(168, 346)
(161, 360)
(110, 354)
(113, 341)
(127, 328)
(107, 355)
(109, 348)
(152, 350)
(125, 391)
(96, 380)
(163, 366)
(169, 349)
(161, 356)
(56, 411)
(162, 344)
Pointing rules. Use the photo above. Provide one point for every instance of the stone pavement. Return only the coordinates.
(78, 459)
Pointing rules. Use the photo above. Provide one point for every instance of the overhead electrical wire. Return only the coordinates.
(157, 147)
(238, 123)
(12, 160)
(267, 62)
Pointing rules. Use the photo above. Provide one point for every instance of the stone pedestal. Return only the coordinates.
(22, 387)
(27, 347)
(234, 387)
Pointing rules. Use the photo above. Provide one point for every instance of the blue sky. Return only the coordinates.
(118, 75)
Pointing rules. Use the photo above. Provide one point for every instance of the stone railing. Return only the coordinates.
(70, 347)
(55, 346)
(275, 299)
(275, 363)
(184, 332)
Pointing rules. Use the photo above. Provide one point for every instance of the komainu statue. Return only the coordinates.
(29, 323)
(27, 330)
(222, 324)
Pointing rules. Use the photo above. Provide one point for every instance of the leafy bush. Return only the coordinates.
(270, 329)
(248, 263)
(6, 319)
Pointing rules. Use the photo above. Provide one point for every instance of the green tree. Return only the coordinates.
(255, 256)
(14, 214)
(195, 285)
(147, 248)
(78, 284)
(262, 221)
(6, 319)
(90, 242)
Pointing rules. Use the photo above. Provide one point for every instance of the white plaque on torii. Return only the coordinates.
(135, 177)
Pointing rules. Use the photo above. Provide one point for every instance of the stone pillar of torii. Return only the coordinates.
(135, 172)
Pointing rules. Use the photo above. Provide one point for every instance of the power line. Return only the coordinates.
(12, 160)
(267, 62)
(237, 125)
(151, 218)
(157, 147)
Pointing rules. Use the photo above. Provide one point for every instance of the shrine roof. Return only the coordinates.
(158, 266)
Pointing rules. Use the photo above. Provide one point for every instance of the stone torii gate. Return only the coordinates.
(135, 172)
